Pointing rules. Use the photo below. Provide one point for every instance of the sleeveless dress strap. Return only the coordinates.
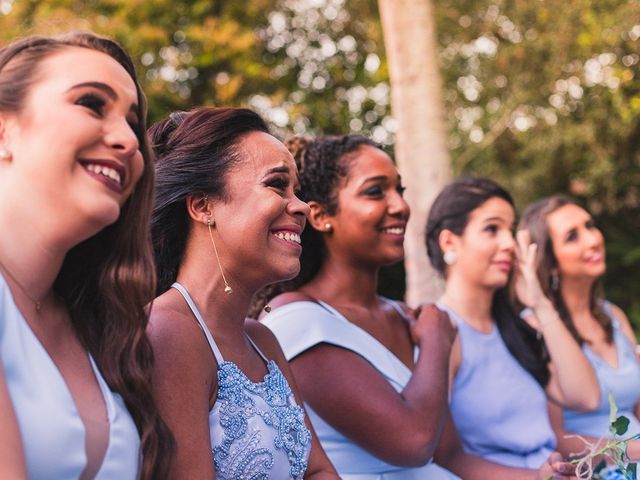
(266, 360)
(203, 326)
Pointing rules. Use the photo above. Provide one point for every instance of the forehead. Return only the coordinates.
(566, 218)
(368, 161)
(495, 208)
(75, 65)
(262, 151)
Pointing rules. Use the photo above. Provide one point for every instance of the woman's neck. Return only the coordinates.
(339, 282)
(29, 260)
(471, 302)
(576, 294)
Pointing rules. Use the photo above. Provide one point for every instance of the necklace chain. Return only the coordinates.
(37, 303)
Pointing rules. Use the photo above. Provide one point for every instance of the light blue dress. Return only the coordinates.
(53, 435)
(300, 326)
(623, 382)
(257, 429)
(499, 409)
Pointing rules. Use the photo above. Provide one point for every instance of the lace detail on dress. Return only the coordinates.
(238, 456)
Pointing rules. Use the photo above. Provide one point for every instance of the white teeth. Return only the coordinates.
(289, 236)
(394, 230)
(105, 171)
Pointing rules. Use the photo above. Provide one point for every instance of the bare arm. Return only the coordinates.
(573, 382)
(12, 464)
(319, 466)
(183, 377)
(352, 396)
(450, 455)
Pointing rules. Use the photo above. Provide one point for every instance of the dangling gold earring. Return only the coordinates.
(227, 289)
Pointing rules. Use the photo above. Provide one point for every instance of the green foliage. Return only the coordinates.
(542, 96)
(614, 450)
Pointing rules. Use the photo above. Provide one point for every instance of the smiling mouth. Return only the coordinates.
(288, 236)
(394, 230)
(109, 174)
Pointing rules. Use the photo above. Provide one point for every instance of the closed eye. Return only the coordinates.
(279, 183)
(491, 228)
(374, 191)
(93, 102)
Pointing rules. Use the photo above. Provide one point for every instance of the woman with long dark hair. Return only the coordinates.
(569, 267)
(373, 373)
(227, 222)
(499, 387)
(76, 268)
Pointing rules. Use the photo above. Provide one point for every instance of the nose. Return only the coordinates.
(121, 137)
(507, 241)
(398, 206)
(297, 207)
(593, 237)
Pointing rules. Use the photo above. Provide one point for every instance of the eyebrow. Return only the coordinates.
(281, 169)
(495, 219)
(379, 178)
(106, 89)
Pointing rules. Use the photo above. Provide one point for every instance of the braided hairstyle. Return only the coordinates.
(451, 211)
(323, 164)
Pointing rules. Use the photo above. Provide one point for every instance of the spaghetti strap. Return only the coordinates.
(203, 326)
(266, 360)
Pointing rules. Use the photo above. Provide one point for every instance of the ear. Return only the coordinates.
(199, 208)
(318, 217)
(448, 240)
(5, 152)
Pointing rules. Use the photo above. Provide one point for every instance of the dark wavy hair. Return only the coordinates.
(322, 163)
(194, 151)
(534, 219)
(450, 211)
(106, 280)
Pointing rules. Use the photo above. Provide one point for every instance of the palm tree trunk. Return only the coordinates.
(420, 147)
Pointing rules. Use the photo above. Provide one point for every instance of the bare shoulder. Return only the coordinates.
(619, 314)
(264, 339)
(173, 330)
(290, 297)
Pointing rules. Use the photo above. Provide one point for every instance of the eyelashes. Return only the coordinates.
(93, 102)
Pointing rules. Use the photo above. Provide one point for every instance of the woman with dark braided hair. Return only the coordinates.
(76, 268)
(227, 222)
(373, 374)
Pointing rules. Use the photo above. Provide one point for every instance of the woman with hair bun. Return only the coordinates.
(569, 267)
(373, 373)
(227, 222)
(76, 268)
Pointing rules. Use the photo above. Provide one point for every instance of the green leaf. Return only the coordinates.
(620, 426)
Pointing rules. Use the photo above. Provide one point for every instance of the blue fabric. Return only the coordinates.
(257, 429)
(53, 435)
(300, 326)
(623, 382)
(499, 409)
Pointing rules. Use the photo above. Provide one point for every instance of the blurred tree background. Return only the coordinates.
(543, 96)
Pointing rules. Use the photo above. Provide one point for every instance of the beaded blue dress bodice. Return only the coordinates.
(257, 429)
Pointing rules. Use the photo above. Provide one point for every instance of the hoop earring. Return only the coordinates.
(450, 257)
(227, 289)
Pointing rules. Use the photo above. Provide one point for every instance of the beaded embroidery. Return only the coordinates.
(239, 455)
